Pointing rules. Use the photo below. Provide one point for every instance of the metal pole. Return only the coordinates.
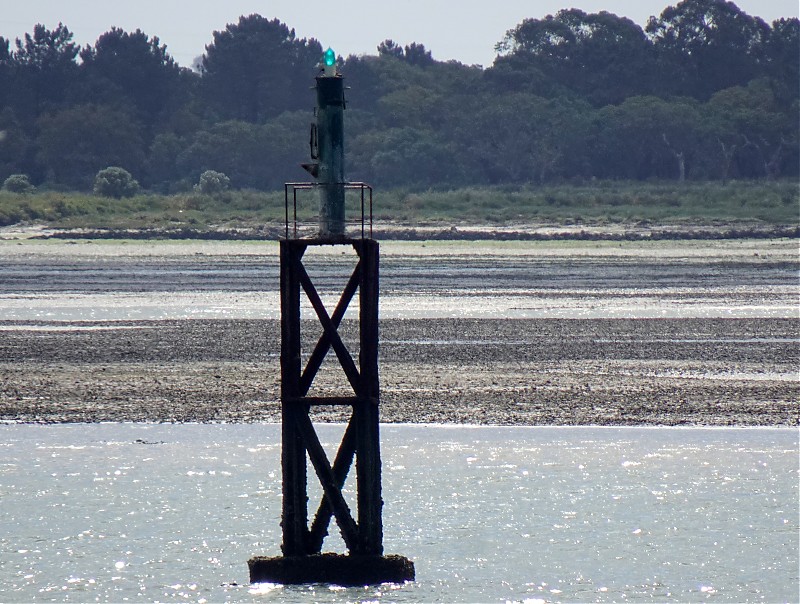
(368, 468)
(293, 453)
(330, 129)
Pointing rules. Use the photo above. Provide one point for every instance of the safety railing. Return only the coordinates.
(301, 205)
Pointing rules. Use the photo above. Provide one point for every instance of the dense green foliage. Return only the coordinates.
(703, 92)
(18, 183)
(751, 203)
(115, 182)
(212, 183)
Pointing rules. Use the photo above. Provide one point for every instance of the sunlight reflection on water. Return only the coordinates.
(768, 302)
(173, 512)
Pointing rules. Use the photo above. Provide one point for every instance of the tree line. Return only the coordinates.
(704, 91)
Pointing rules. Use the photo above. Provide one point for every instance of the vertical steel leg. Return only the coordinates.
(294, 517)
(368, 457)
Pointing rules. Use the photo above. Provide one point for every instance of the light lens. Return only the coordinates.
(330, 58)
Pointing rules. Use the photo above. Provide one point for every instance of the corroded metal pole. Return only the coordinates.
(330, 132)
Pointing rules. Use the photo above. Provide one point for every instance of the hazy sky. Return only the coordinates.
(465, 30)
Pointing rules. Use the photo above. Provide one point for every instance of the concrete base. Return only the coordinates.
(334, 569)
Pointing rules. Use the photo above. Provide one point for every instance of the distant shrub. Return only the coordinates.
(9, 216)
(115, 182)
(18, 183)
(413, 202)
(212, 183)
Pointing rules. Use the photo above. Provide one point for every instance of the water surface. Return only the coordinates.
(141, 512)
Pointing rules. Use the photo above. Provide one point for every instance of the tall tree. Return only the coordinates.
(602, 57)
(6, 79)
(45, 68)
(707, 45)
(783, 59)
(257, 68)
(391, 48)
(417, 54)
(130, 69)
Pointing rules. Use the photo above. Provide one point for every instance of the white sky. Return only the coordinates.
(465, 30)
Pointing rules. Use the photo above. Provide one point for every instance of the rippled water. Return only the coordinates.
(137, 512)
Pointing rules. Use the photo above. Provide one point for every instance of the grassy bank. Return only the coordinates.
(601, 203)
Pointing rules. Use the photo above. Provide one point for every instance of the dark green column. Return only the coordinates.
(330, 132)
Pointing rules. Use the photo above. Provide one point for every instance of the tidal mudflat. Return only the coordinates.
(524, 333)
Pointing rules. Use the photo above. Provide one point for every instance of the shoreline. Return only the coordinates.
(688, 427)
(638, 231)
